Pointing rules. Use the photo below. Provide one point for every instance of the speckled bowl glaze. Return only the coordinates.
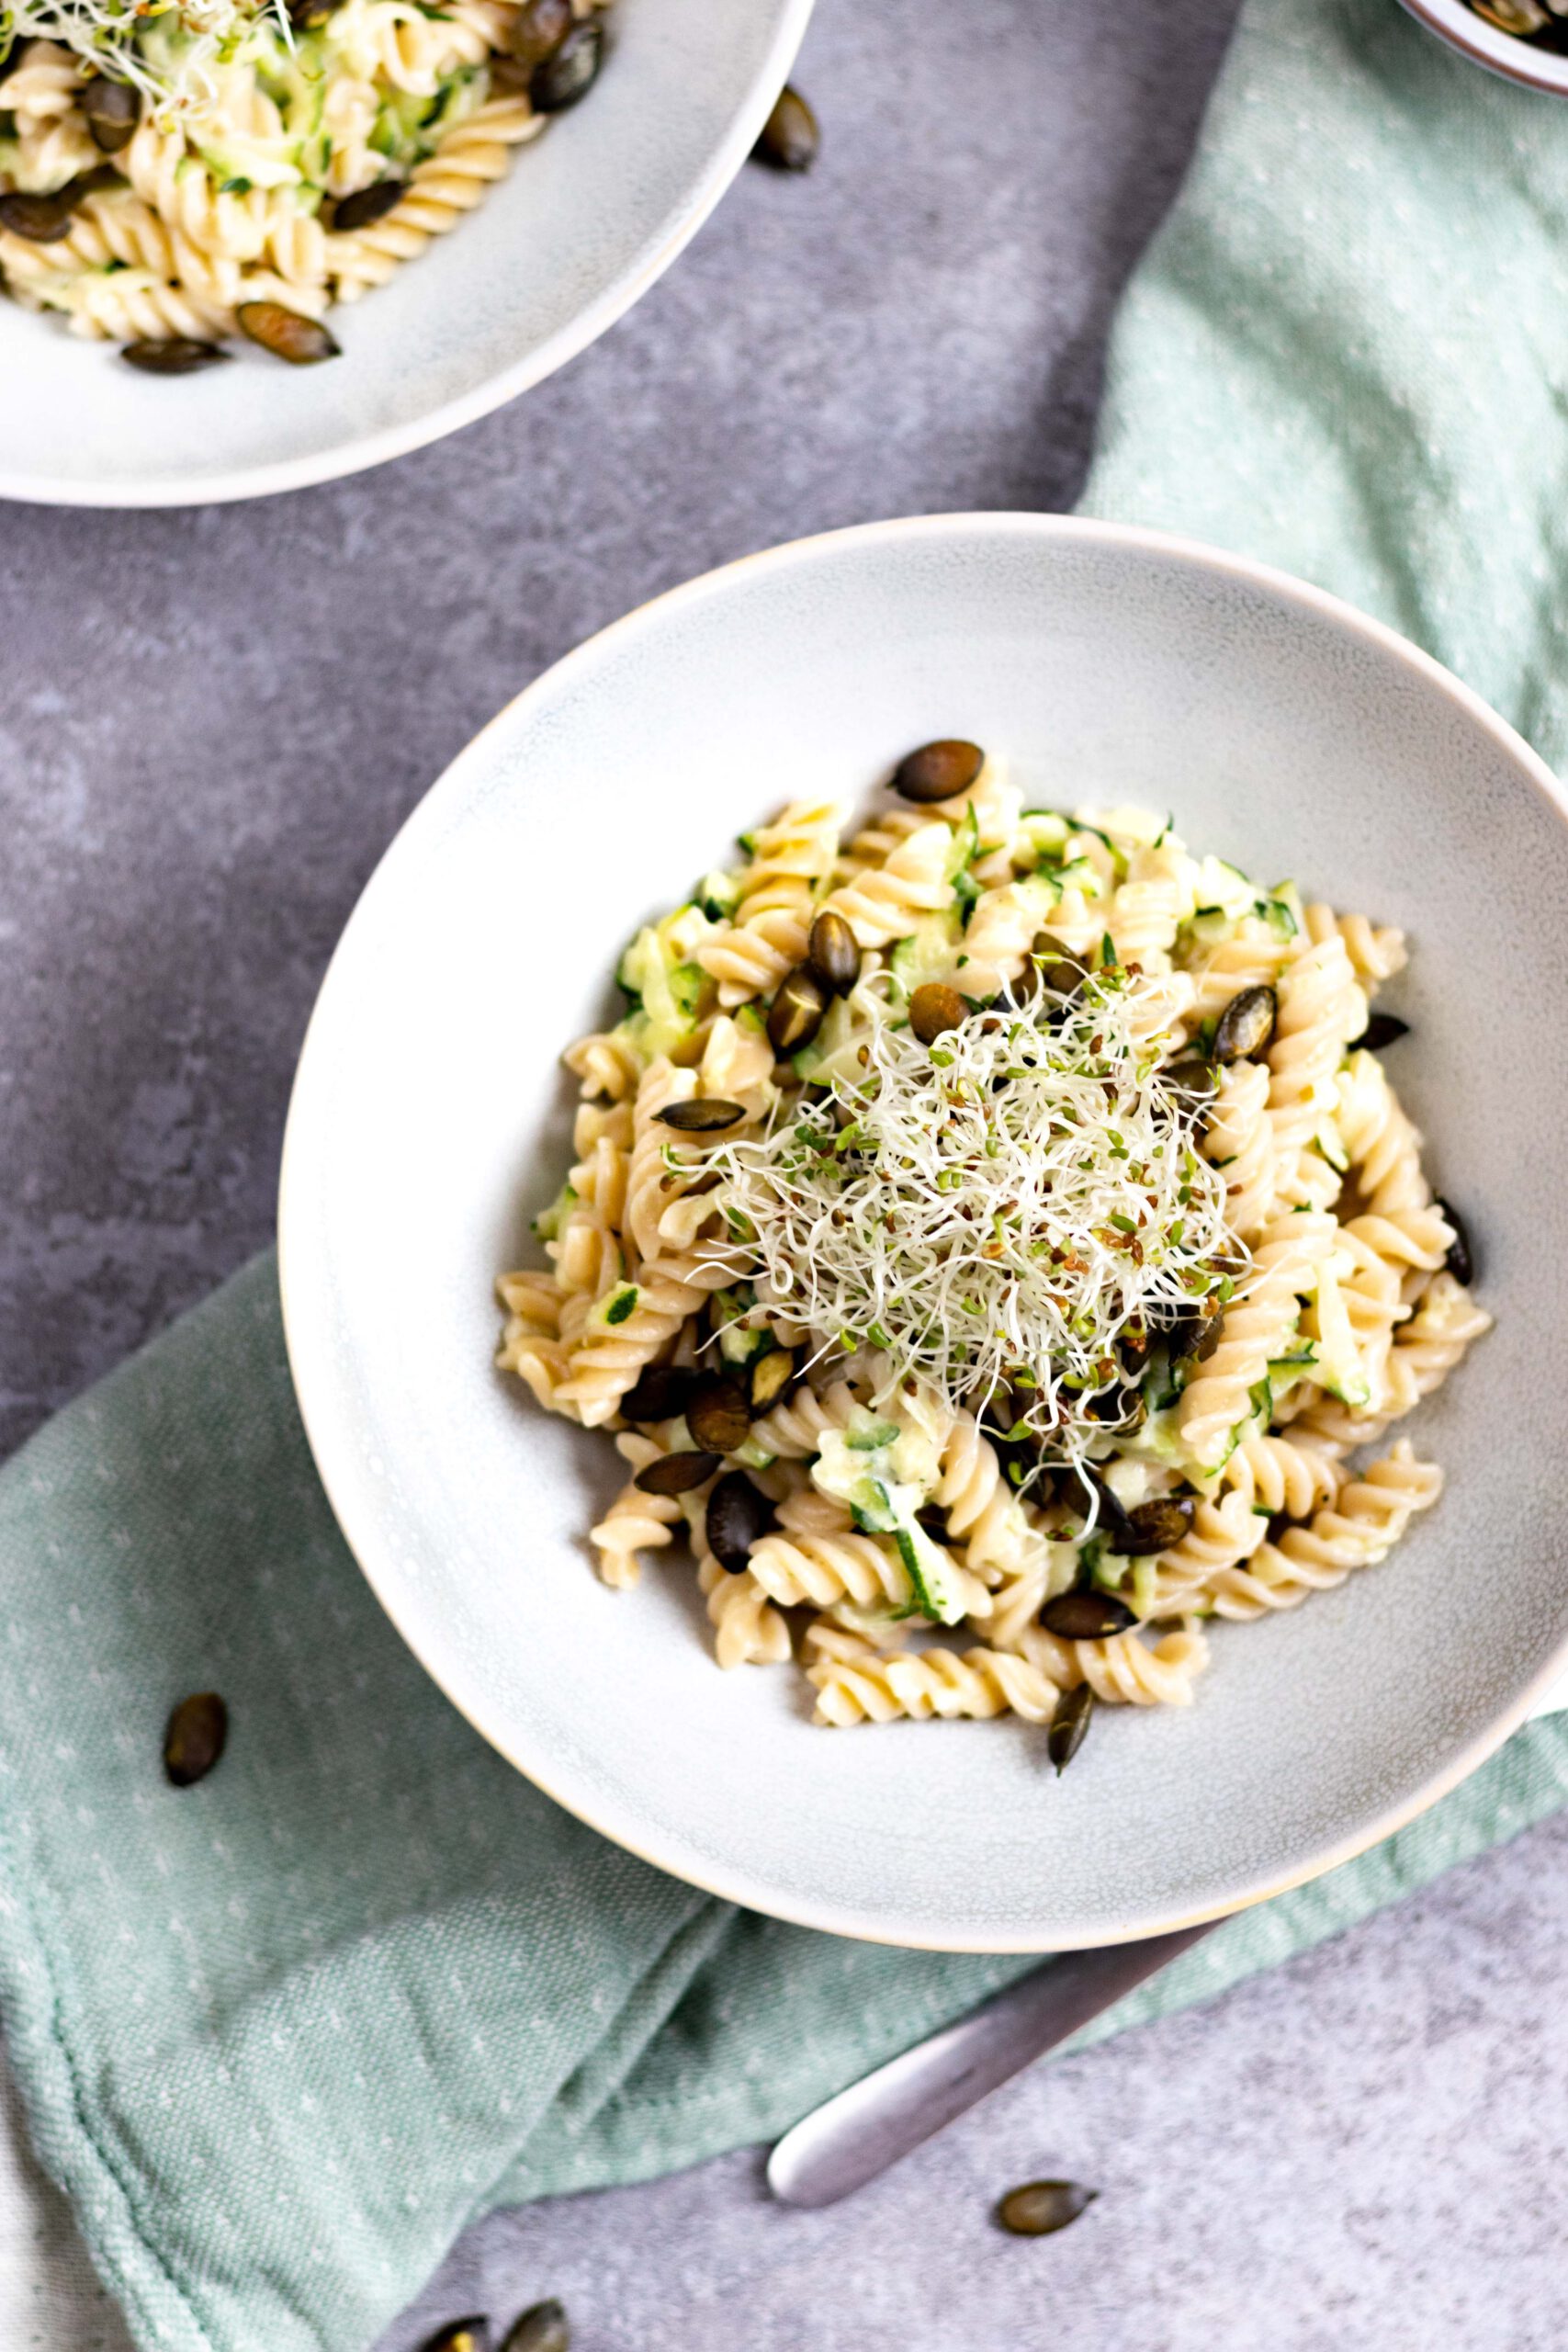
(430, 1116)
(585, 221)
(1500, 52)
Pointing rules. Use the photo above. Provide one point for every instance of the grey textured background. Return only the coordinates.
(209, 726)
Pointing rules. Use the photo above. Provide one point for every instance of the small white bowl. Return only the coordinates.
(429, 1118)
(585, 221)
(1500, 52)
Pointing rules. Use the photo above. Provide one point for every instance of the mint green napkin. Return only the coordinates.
(282, 2034)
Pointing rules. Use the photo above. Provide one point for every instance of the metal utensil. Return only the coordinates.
(860, 2132)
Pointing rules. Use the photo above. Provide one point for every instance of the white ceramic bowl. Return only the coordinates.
(585, 221)
(429, 1118)
(1500, 52)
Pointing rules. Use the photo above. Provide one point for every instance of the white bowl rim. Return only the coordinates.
(1504, 53)
(230, 483)
(316, 1402)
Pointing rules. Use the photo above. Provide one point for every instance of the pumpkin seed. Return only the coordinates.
(937, 771)
(796, 1012)
(288, 334)
(1193, 1337)
(790, 137)
(113, 110)
(1069, 1726)
(304, 14)
(471, 2335)
(540, 28)
(832, 956)
(570, 72)
(1382, 1029)
(366, 206)
(676, 1473)
(934, 1008)
(1246, 1025)
(542, 2328)
(1042, 2207)
(1460, 1258)
(193, 1737)
(738, 1516)
(661, 1394)
(1086, 1616)
(1088, 1493)
(1156, 1526)
(181, 355)
(41, 220)
(703, 1116)
(717, 1416)
(1193, 1077)
(771, 1375)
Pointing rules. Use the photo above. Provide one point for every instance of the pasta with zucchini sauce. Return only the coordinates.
(997, 1250)
(173, 173)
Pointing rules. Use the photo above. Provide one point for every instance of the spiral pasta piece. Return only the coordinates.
(1218, 1400)
(887, 902)
(1358, 1529)
(635, 1521)
(979, 1684)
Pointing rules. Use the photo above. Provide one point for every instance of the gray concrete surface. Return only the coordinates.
(209, 726)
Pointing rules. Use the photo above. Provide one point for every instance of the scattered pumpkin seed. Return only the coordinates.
(771, 1375)
(738, 1514)
(796, 1012)
(471, 2335)
(1042, 2207)
(542, 2328)
(1069, 1726)
(1156, 1526)
(366, 206)
(676, 1473)
(570, 72)
(937, 771)
(831, 955)
(718, 1414)
(1193, 1337)
(1194, 1077)
(540, 28)
(113, 110)
(1088, 1495)
(790, 137)
(1382, 1029)
(1460, 1258)
(703, 1116)
(1086, 1616)
(41, 220)
(304, 14)
(1246, 1025)
(181, 355)
(934, 1008)
(288, 334)
(661, 1394)
(193, 1737)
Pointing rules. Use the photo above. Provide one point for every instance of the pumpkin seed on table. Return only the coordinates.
(180, 354)
(1382, 1029)
(739, 1515)
(1246, 1025)
(796, 1012)
(790, 137)
(661, 1394)
(718, 1414)
(704, 1115)
(832, 956)
(40, 219)
(470, 2334)
(1069, 1724)
(543, 2327)
(366, 206)
(1040, 2208)
(676, 1473)
(934, 1008)
(288, 334)
(938, 771)
(771, 1374)
(113, 110)
(1086, 1616)
(1460, 1260)
(193, 1737)
(568, 73)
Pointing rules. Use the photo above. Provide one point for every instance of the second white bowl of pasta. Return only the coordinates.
(988, 1274)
